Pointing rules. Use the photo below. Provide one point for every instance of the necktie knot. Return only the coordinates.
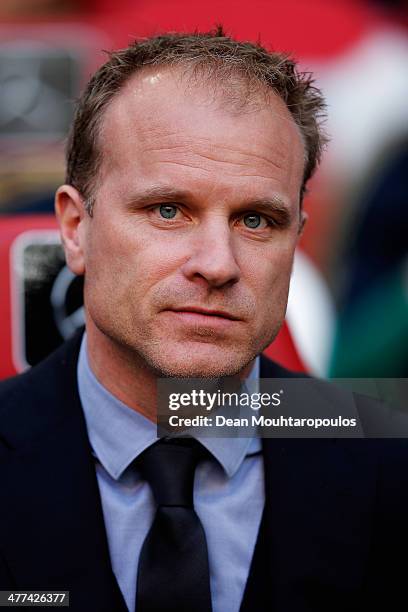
(169, 467)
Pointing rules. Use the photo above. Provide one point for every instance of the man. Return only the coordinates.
(182, 208)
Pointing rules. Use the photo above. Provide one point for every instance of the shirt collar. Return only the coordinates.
(119, 434)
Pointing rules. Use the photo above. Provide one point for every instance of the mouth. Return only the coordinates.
(204, 312)
(195, 318)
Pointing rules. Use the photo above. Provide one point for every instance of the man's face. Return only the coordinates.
(189, 253)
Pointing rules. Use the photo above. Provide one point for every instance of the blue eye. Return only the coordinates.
(252, 221)
(168, 211)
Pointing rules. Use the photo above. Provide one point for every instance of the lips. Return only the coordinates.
(206, 312)
(202, 321)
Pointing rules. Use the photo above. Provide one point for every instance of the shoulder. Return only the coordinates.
(39, 396)
(384, 429)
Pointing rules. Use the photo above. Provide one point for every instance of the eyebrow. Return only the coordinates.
(151, 195)
(274, 204)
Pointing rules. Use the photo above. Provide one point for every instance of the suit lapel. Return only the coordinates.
(54, 534)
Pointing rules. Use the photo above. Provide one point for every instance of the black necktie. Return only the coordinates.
(173, 574)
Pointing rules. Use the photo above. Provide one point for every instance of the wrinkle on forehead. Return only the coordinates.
(261, 157)
(196, 156)
(207, 150)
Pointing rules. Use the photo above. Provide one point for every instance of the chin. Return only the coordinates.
(205, 361)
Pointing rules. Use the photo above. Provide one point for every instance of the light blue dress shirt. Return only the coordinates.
(228, 492)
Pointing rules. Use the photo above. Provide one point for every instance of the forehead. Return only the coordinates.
(161, 118)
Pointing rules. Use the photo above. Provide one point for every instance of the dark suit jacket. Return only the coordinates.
(333, 534)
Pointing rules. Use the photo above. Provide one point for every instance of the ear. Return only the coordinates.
(302, 222)
(71, 215)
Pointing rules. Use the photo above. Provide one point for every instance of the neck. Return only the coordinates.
(126, 375)
(122, 373)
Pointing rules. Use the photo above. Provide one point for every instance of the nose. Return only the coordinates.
(212, 256)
